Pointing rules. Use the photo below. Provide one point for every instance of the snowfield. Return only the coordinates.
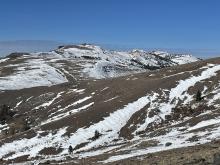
(3, 60)
(33, 73)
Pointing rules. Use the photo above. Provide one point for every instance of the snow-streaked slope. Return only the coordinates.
(129, 112)
(32, 146)
(32, 73)
(3, 60)
(176, 94)
(109, 126)
(91, 61)
(106, 63)
(184, 59)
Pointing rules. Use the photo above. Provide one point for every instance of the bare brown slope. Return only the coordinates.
(124, 90)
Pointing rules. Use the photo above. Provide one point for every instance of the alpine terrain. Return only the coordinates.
(82, 104)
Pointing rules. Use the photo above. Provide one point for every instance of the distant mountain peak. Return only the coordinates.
(100, 63)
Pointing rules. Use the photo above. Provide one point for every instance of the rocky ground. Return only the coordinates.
(164, 116)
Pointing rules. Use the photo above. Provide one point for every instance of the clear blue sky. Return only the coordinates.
(188, 24)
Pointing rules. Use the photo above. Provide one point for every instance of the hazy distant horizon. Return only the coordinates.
(7, 47)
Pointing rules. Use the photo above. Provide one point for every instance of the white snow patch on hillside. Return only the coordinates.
(177, 139)
(185, 59)
(177, 93)
(104, 69)
(109, 126)
(148, 120)
(147, 61)
(160, 53)
(72, 104)
(215, 98)
(47, 104)
(65, 114)
(111, 99)
(38, 74)
(205, 123)
(3, 60)
(33, 145)
(18, 104)
(3, 127)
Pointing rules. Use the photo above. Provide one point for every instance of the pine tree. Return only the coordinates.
(198, 96)
(70, 149)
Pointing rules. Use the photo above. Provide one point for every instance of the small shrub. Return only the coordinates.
(70, 149)
(5, 113)
(168, 144)
(198, 96)
(97, 134)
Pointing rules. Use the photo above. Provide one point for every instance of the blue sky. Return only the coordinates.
(171, 24)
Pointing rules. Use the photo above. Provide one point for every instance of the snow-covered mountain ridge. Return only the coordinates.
(117, 63)
(53, 111)
(25, 70)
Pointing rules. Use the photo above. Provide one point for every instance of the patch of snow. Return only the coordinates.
(75, 103)
(179, 93)
(39, 74)
(104, 89)
(63, 115)
(80, 91)
(184, 59)
(18, 104)
(29, 98)
(177, 139)
(148, 120)
(33, 145)
(109, 126)
(214, 98)
(3, 127)
(47, 104)
(111, 99)
(205, 123)
(3, 60)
